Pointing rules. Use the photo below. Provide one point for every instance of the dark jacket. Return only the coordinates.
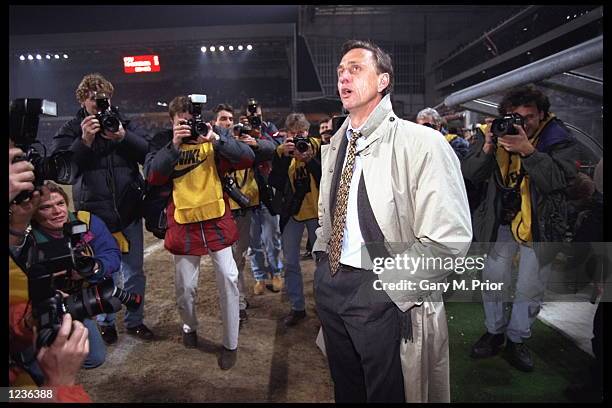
(199, 237)
(551, 168)
(108, 182)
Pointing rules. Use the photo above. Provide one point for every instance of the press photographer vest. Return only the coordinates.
(247, 186)
(310, 205)
(198, 194)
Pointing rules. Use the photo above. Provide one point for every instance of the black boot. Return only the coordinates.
(488, 345)
(519, 356)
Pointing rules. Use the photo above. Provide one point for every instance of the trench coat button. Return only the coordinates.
(391, 119)
(334, 148)
(331, 171)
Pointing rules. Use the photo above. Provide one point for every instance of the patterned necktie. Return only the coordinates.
(335, 242)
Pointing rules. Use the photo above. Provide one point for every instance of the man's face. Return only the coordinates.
(181, 117)
(427, 120)
(323, 126)
(532, 117)
(224, 119)
(90, 104)
(358, 83)
(52, 213)
(291, 133)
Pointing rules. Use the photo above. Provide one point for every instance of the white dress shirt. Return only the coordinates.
(352, 240)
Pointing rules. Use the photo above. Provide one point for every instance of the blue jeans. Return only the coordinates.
(531, 284)
(265, 242)
(134, 280)
(95, 358)
(292, 238)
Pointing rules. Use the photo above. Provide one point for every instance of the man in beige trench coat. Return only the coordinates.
(402, 188)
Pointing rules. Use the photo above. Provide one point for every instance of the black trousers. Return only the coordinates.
(362, 335)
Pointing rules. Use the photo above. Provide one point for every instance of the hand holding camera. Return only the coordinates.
(116, 136)
(303, 155)
(90, 126)
(62, 360)
(21, 173)
(288, 147)
(516, 143)
(180, 131)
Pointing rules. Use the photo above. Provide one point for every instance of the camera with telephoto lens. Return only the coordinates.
(197, 124)
(45, 283)
(504, 125)
(231, 188)
(301, 143)
(106, 114)
(254, 120)
(24, 116)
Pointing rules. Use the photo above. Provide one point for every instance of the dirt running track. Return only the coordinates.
(274, 364)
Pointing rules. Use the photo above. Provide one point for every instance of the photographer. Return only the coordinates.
(245, 182)
(48, 213)
(296, 174)
(265, 241)
(198, 214)
(107, 150)
(431, 118)
(527, 156)
(325, 130)
(60, 361)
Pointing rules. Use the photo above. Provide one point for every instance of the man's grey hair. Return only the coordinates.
(433, 114)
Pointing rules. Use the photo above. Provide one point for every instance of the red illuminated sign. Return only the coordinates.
(141, 63)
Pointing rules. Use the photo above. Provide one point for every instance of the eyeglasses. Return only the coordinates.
(429, 125)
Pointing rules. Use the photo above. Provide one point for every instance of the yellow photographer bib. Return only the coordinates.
(198, 194)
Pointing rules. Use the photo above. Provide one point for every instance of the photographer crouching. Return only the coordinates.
(296, 175)
(527, 156)
(61, 360)
(67, 252)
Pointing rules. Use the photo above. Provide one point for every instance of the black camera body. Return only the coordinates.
(511, 204)
(48, 311)
(231, 188)
(243, 129)
(44, 284)
(301, 143)
(504, 125)
(24, 116)
(66, 254)
(197, 124)
(106, 114)
(254, 120)
(301, 186)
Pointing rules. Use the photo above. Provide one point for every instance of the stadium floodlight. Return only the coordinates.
(47, 56)
(212, 49)
(56, 56)
(240, 47)
(249, 47)
(231, 48)
(30, 57)
(65, 56)
(221, 48)
(22, 58)
(38, 57)
(203, 49)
